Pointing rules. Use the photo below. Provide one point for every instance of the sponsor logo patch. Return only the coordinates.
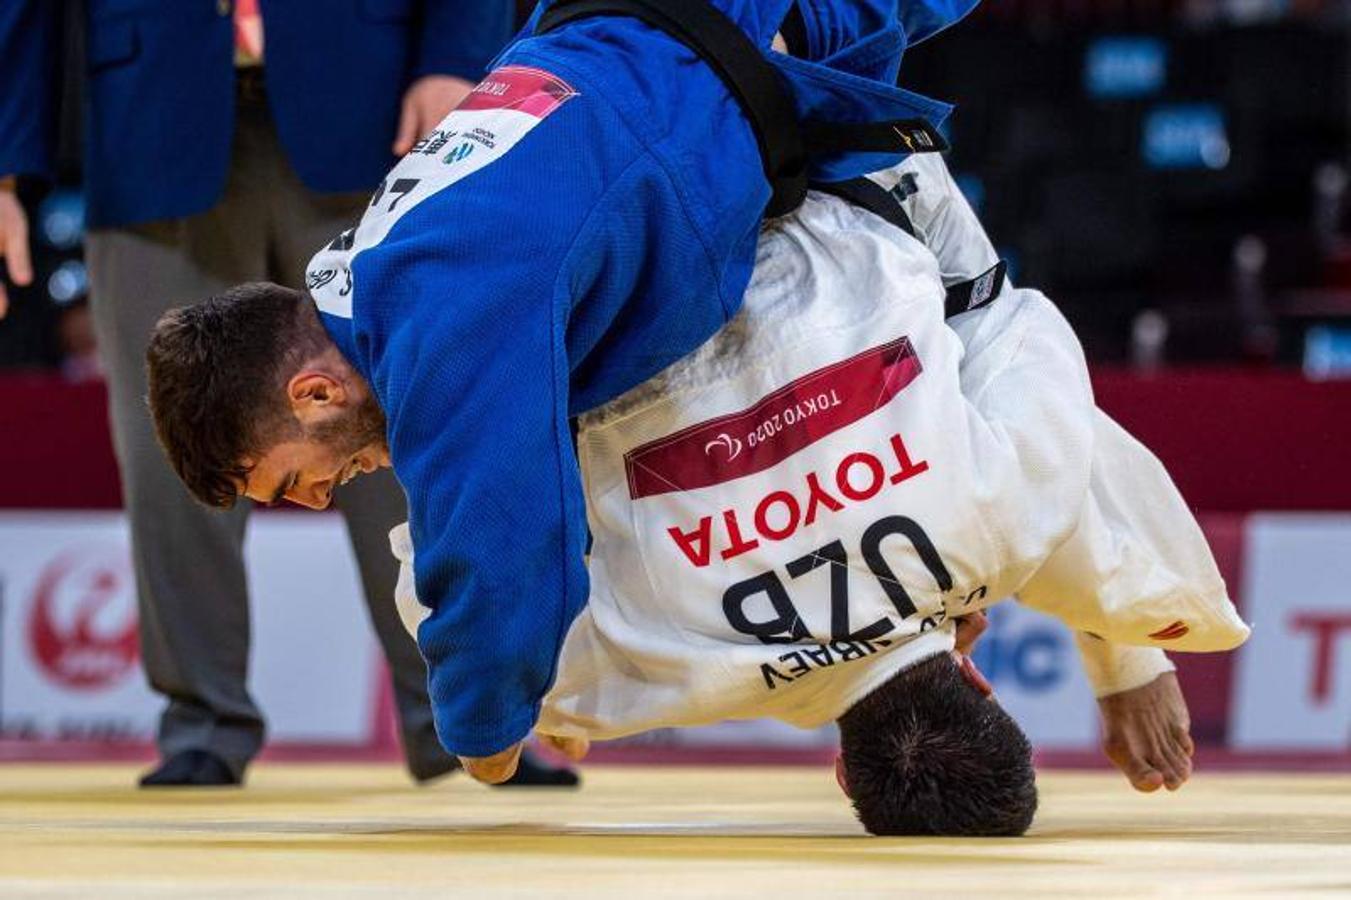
(792, 418)
(523, 88)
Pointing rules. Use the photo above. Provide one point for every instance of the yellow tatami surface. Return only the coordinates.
(636, 833)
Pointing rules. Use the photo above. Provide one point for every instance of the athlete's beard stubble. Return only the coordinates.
(348, 434)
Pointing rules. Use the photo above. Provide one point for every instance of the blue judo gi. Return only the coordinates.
(588, 217)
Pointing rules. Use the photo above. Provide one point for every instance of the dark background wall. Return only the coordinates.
(1173, 174)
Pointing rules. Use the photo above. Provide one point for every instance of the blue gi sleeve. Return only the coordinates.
(483, 449)
(460, 38)
(29, 39)
(494, 310)
(922, 19)
(464, 308)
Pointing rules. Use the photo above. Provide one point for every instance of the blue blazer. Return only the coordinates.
(160, 111)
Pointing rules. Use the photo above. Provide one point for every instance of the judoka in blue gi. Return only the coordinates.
(588, 216)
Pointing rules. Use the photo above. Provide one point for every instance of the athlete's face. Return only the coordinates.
(306, 471)
(341, 435)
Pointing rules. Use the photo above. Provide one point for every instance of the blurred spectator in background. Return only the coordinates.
(226, 141)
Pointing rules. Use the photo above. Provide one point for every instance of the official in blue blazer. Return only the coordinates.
(225, 140)
(161, 87)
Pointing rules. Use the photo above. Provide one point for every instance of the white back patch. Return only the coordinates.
(502, 109)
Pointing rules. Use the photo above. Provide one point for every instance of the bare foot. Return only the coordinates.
(1146, 734)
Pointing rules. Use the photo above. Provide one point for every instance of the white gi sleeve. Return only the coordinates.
(943, 220)
(1136, 569)
(1114, 668)
(411, 610)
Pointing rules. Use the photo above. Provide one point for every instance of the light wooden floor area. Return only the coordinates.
(639, 833)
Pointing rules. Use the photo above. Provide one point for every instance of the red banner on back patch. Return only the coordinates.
(793, 417)
(522, 88)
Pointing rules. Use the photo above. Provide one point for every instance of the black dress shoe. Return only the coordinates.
(533, 773)
(427, 772)
(192, 768)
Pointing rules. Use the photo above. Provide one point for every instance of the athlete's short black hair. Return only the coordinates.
(928, 754)
(217, 373)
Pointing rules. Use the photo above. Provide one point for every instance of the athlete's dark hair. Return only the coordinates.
(217, 372)
(927, 753)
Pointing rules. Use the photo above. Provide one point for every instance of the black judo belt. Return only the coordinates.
(786, 143)
(964, 296)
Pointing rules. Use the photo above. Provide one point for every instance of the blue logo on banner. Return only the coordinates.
(1186, 136)
(1120, 67)
(1327, 352)
(1032, 659)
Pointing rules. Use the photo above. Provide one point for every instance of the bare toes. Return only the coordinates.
(1147, 780)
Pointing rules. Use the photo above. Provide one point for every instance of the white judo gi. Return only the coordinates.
(785, 519)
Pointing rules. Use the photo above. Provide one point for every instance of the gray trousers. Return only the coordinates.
(193, 599)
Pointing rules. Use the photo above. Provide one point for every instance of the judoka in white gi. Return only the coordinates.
(789, 522)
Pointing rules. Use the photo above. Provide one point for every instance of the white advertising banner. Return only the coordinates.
(70, 657)
(69, 667)
(1029, 658)
(69, 661)
(1293, 682)
(1034, 666)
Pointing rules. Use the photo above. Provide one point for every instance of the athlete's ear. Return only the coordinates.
(313, 393)
(973, 676)
(840, 778)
